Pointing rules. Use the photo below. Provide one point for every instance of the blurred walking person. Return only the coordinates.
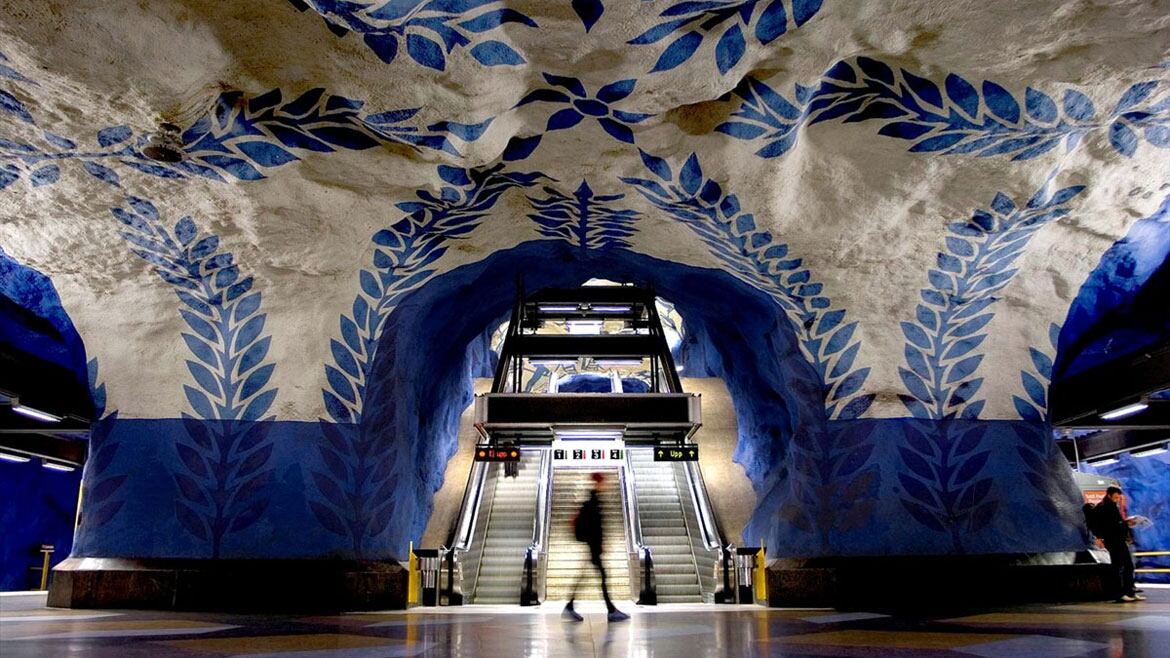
(588, 530)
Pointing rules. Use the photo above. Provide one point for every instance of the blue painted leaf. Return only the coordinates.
(845, 361)
(1001, 102)
(658, 32)
(247, 306)
(185, 230)
(1078, 106)
(59, 141)
(426, 52)
(249, 332)
(588, 11)
(616, 130)
(829, 321)
(204, 378)
(496, 53)
(519, 148)
(256, 381)
(972, 325)
(562, 119)
(200, 326)
(46, 175)
(964, 392)
(917, 361)
(963, 94)
(850, 384)
(1159, 136)
(971, 467)
(925, 89)
(266, 154)
(344, 359)
(804, 10)
(369, 284)
(572, 84)
(961, 347)
(1065, 195)
(856, 407)
(740, 130)
(259, 405)
(926, 317)
(1035, 390)
(915, 335)
(1026, 411)
(254, 355)
(199, 402)
(657, 165)
(340, 384)
(937, 143)
(778, 147)
(1039, 105)
(964, 368)
(772, 23)
(201, 350)
(1042, 362)
(905, 130)
(385, 46)
(234, 166)
(336, 408)
(1134, 95)
(876, 70)
(10, 104)
(1122, 137)
(691, 175)
(731, 47)
(679, 51)
(616, 91)
(915, 385)
(191, 521)
(840, 339)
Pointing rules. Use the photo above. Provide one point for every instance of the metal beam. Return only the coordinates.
(1079, 400)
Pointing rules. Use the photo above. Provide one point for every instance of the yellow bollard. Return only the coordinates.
(46, 550)
(761, 577)
(412, 580)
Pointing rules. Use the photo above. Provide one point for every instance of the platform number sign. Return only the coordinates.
(676, 454)
(497, 454)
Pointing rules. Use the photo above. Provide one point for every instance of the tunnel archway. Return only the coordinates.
(436, 332)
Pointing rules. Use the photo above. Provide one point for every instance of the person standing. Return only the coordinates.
(588, 530)
(1113, 530)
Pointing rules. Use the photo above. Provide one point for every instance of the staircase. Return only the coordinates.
(664, 508)
(506, 522)
(567, 557)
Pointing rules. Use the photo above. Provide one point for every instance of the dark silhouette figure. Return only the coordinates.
(587, 529)
(1113, 530)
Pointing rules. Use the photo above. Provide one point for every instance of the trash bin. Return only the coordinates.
(745, 562)
(429, 562)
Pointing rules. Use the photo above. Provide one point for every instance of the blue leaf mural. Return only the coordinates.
(1036, 378)
(942, 340)
(431, 30)
(403, 259)
(585, 219)
(102, 487)
(755, 256)
(685, 24)
(226, 449)
(238, 138)
(956, 117)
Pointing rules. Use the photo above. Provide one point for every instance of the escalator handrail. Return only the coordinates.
(469, 510)
(633, 519)
(707, 525)
(540, 518)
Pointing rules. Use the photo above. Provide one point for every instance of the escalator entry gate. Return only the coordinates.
(429, 562)
(746, 562)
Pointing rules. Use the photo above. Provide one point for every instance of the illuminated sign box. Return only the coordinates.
(588, 453)
(679, 454)
(497, 454)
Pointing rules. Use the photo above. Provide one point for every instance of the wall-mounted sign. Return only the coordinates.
(687, 453)
(497, 454)
(588, 453)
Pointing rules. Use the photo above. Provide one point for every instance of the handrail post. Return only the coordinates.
(528, 593)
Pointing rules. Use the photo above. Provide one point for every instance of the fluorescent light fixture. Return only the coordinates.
(35, 414)
(558, 308)
(1150, 451)
(611, 309)
(579, 327)
(618, 362)
(587, 434)
(16, 459)
(552, 361)
(53, 466)
(1127, 410)
(1103, 462)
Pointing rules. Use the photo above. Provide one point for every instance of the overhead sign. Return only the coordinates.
(497, 454)
(588, 453)
(688, 453)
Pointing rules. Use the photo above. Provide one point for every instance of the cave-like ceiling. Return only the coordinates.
(921, 188)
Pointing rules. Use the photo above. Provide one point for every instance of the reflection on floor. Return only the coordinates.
(1136, 630)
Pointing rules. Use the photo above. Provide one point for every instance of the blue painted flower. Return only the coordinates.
(579, 106)
(429, 29)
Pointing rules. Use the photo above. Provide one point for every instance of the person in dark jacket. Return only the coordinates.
(587, 529)
(1113, 530)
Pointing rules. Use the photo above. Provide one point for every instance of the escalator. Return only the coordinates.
(505, 531)
(568, 558)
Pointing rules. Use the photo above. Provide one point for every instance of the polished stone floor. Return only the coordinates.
(1094, 630)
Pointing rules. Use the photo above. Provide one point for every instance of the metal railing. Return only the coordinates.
(535, 557)
(1141, 554)
(465, 529)
(640, 558)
